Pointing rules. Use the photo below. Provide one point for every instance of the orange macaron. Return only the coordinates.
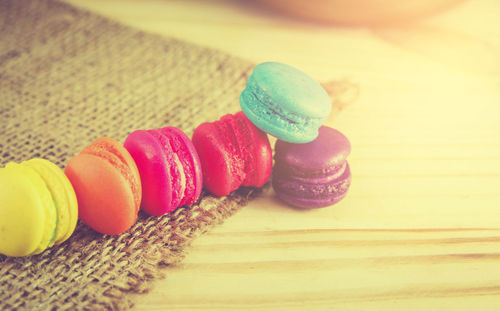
(107, 186)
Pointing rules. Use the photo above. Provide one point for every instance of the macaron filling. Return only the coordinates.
(67, 208)
(320, 174)
(314, 188)
(186, 162)
(51, 211)
(183, 175)
(187, 169)
(173, 169)
(59, 197)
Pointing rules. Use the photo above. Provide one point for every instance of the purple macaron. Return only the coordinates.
(314, 174)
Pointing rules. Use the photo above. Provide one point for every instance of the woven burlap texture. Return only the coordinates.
(67, 77)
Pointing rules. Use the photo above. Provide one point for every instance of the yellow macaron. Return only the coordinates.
(38, 207)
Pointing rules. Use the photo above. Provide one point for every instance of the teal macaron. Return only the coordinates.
(285, 102)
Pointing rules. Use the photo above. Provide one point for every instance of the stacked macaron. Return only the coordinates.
(310, 159)
(310, 162)
(285, 102)
(158, 170)
(313, 181)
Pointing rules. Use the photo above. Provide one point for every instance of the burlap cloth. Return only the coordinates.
(67, 77)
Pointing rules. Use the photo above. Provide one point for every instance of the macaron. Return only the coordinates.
(107, 186)
(38, 207)
(233, 153)
(285, 102)
(169, 168)
(314, 174)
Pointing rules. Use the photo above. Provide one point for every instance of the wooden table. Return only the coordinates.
(420, 227)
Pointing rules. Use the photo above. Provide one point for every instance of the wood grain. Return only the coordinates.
(322, 269)
(420, 227)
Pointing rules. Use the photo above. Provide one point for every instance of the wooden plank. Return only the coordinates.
(419, 229)
(345, 269)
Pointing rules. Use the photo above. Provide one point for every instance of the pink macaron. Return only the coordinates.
(169, 168)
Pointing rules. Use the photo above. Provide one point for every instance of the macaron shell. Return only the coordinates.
(229, 133)
(105, 199)
(63, 195)
(120, 158)
(294, 90)
(314, 193)
(28, 215)
(281, 128)
(154, 171)
(216, 160)
(285, 102)
(259, 161)
(330, 149)
(233, 152)
(307, 203)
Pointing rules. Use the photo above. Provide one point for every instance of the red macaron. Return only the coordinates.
(107, 186)
(233, 153)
